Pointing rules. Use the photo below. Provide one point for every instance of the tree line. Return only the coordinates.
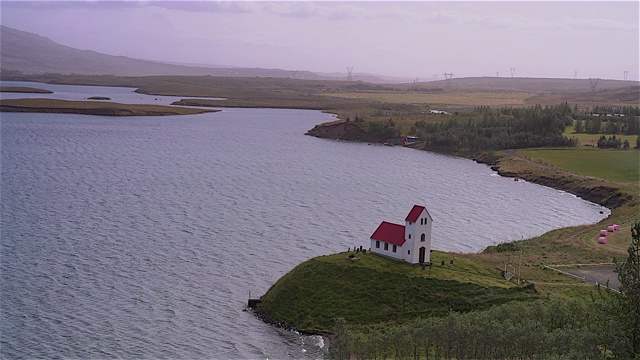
(498, 129)
(613, 143)
(512, 331)
(611, 125)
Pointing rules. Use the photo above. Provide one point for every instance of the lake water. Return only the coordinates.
(142, 237)
(123, 95)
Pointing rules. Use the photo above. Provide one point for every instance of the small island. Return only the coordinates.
(24, 90)
(94, 108)
(98, 98)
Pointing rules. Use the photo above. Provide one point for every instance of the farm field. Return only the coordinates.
(615, 165)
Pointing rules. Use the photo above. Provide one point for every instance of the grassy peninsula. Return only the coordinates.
(93, 108)
(371, 290)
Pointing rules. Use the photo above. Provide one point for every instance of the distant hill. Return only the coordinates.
(532, 85)
(33, 54)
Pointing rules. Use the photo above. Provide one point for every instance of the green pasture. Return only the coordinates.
(614, 165)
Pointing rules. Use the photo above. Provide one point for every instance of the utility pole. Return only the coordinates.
(513, 70)
(435, 77)
(520, 265)
(626, 73)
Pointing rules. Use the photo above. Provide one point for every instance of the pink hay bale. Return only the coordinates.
(616, 227)
(610, 228)
(603, 232)
(602, 240)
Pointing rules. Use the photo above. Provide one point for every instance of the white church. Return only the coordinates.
(410, 242)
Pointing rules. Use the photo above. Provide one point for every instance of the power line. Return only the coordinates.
(448, 77)
(349, 70)
(594, 83)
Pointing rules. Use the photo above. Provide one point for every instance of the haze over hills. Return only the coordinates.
(32, 54)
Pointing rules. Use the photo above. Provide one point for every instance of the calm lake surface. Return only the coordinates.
(142, 237)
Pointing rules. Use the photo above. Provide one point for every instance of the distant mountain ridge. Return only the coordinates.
(34, 54)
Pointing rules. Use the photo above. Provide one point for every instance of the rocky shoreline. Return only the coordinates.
(507, 164)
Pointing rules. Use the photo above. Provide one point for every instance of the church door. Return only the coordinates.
(422, 253)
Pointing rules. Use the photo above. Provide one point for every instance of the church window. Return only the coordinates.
(395, 248)
(386, 246)
(377, 244)
(422, 237)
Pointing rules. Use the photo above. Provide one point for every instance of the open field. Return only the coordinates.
(445, 100)
(615, 165)
(591, 140)
(93, 108)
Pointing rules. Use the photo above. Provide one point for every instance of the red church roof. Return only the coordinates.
(414, 214)
(389, 233)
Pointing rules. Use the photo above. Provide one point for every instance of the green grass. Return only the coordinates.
(614, 165)
(374, 290)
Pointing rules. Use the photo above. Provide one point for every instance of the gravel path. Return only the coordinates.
(598, 275)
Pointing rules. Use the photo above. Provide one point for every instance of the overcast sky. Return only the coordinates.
(410, 39)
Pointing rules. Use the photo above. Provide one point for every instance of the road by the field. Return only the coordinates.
(598, 275)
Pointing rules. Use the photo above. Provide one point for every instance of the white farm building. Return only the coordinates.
(410, 242)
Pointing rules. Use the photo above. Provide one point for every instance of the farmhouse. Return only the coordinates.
(410, 242)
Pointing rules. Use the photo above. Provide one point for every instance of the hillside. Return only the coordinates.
(30, 53)
(34, 54)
